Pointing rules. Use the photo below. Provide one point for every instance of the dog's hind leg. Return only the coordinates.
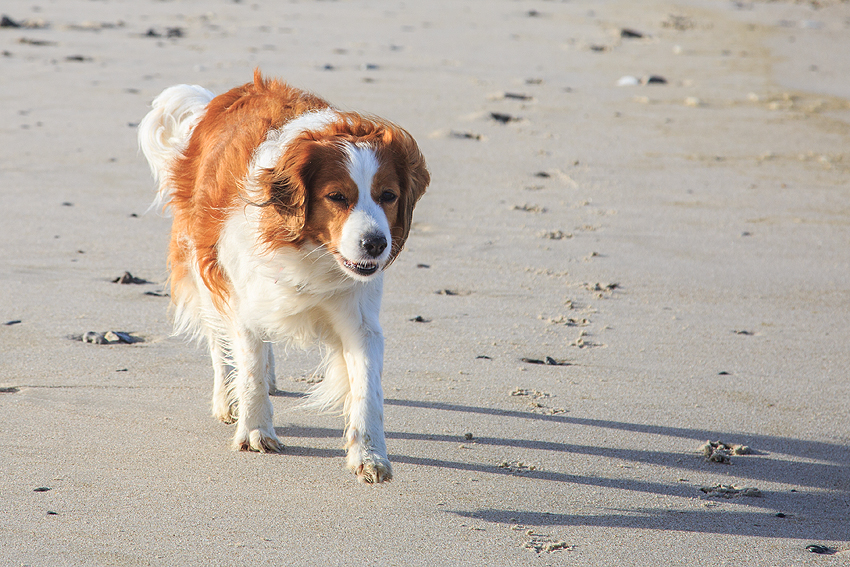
(270, 373)
(223, 403)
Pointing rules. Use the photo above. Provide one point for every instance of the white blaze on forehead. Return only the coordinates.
(362, 167)
(367, 217)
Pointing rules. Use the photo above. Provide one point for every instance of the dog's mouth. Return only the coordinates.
(363, 268)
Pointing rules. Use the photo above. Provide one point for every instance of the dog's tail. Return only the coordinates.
(165, 131)
(331, 394)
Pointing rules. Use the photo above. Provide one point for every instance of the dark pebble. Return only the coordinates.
(12, 322)
(169, 32)
(502, 118)
(9, 390)
(420, 319)
(780, 515)
(548, 361)
(483, 357)
(464, 135)
(724, 373)
(41, 489)
(820, 549)
(38, 42)
(656, 80)
(630, 34)
(518, 96)
(125, 338)
(128, 278)
(426, 266)
(159, 293)
(8, 22)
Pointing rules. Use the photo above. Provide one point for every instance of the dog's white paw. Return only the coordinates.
(262, 440)
(370, 467)
(224, 412)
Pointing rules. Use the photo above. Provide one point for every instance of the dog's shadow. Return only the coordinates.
(286, 434)
(813, 472)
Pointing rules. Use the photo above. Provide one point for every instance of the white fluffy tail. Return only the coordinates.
(165, 131)
(331, 394)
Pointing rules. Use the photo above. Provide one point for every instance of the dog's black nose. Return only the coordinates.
(374, 244)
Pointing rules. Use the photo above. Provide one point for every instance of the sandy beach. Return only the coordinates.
(636, 240)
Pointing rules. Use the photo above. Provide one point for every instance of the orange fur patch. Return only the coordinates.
(206, 179)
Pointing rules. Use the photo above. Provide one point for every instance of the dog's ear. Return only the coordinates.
(286, 187)
(413, 179)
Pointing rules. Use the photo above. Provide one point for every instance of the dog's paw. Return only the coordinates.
(225, 413)
(372, 469)
(259, 440)
(224, 408)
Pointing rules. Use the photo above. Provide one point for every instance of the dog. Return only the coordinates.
(286, 212)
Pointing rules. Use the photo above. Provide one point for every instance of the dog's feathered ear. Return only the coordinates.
(413, 180)
(286, 188)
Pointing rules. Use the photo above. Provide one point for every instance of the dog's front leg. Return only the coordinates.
(364, 434)
(254, 426)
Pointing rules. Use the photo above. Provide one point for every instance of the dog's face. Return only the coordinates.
(351, 193)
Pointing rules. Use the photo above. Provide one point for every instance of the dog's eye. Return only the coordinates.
(388, 197)
(337, 198)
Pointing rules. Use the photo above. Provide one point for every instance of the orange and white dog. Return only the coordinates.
(286, 212)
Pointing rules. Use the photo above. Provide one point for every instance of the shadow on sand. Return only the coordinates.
(815, 509)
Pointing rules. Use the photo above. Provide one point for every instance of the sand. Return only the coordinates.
(678, 243)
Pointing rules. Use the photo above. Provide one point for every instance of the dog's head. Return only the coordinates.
(349, 187)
